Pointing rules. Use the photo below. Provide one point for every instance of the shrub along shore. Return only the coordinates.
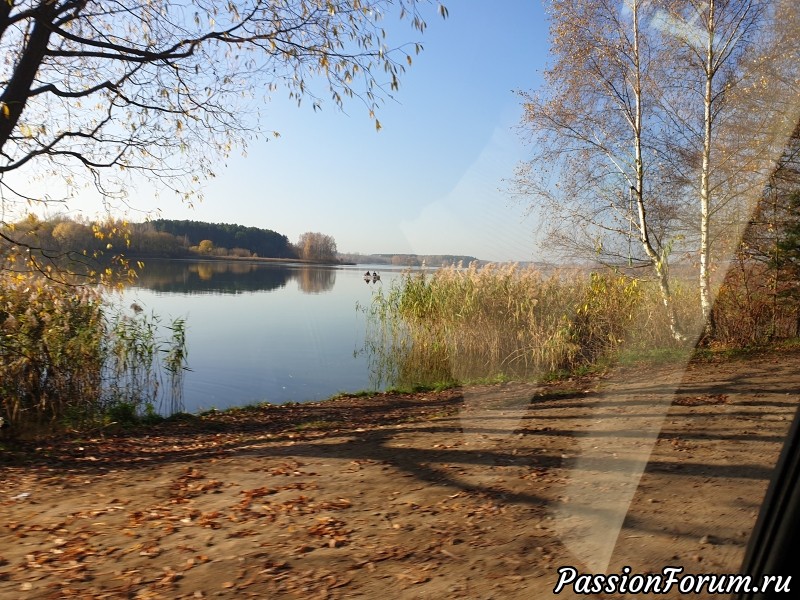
(70, 357)
(456, 325)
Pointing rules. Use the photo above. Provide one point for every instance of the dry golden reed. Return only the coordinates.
(461, 324)
(70, 357)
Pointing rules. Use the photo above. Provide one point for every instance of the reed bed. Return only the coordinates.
(70, 357)
(459, 325)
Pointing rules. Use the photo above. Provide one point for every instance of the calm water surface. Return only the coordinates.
(263, 332)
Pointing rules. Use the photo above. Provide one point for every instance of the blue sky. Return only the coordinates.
(430, 181)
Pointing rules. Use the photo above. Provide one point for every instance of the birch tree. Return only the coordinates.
(711, 42)
(595, 175)
(660, 123)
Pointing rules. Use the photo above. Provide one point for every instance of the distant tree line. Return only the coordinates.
(71, 250)
(409, 260)
(75, 244)
(261, 242)
(64, 241)
(431, 260)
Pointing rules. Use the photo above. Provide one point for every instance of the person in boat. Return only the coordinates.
(366, 274)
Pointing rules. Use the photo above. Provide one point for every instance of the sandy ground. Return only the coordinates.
(477, 493)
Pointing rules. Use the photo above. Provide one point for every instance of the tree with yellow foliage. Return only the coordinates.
(91, 92)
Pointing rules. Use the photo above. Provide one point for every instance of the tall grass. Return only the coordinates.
(456, 325)
(50, 352)
(68, 355)
(136, 360)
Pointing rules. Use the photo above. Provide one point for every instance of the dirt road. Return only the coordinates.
(475, 493)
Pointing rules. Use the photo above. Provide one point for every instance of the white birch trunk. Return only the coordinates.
(659, 261)
(705, 173)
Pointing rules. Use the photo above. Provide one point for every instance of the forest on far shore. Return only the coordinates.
(64, 237)
(164, 238)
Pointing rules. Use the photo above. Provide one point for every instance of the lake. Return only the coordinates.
(263, 331)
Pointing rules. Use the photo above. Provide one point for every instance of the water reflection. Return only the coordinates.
(315, 280)
(258, 331)
(232, 277)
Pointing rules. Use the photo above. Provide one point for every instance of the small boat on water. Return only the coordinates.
(373, 277)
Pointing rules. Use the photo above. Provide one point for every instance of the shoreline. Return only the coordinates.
(460, 494)
(255, 259)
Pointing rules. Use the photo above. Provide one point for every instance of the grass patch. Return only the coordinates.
(421, 388)
(319, 425)
(790, 344)
(712, 354)
(182, 417)
(356, 394)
